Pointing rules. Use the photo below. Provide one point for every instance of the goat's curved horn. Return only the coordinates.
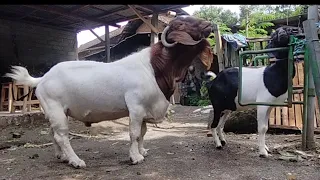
(163, 38)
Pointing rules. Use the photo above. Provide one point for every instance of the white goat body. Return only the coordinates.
(254, 89)
(92, 91)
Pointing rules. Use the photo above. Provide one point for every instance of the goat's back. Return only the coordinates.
(84, 87)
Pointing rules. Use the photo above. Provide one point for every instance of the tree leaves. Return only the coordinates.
(259, 17)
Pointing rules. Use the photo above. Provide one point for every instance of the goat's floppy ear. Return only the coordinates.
(206, 57)
(182, 37)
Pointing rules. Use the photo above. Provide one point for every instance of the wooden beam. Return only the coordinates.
(130, 18)
(28, 14)
(101, 40)
(75, 23)
(107, 43)
(144, 9)
(144, 20)
(154, 21)
(156, 10)
(218, 46)
(71, 11)
(171, 8)
(111, 12)
(63, 13)
(151, 8)
(39, 24)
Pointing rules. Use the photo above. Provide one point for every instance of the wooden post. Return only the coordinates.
(107, 43)
(247, 24)
(154, 36)
(311, 34)
(76, 49)
(218, 46)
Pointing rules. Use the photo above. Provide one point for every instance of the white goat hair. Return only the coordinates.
(85, 91)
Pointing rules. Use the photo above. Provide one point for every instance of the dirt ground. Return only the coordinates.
(179, 149)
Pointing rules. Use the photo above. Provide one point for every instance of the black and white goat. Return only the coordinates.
(264, 84)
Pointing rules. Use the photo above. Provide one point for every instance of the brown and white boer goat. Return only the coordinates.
(138, 86)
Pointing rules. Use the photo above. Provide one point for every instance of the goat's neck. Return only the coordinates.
(171, 64)
(282, 66)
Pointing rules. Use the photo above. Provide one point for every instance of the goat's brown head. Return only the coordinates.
(186, 30)
(181, 42)
(190, 31)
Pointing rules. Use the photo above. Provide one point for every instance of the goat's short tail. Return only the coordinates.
(211, 74)
(21, 75)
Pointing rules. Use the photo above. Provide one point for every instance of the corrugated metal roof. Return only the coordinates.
(79, 17)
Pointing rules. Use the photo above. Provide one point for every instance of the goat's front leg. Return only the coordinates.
(263, 113)
(142, 150)
(135, 137)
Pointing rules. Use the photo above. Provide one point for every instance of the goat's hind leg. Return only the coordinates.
(214, 124)
(59, 124)
(220, 127)
(58, 152)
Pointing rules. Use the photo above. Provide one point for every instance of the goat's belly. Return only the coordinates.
(92, 116)
(244, 101)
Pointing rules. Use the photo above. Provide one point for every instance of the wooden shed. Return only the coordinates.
(40, 36)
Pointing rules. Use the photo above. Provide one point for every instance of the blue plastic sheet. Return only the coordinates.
(236, 40)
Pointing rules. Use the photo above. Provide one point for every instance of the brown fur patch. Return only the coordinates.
(171, 64)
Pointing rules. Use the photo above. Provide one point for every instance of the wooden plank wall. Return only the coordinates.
(291, 118)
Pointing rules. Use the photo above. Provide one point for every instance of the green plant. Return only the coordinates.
(193, 100)
(204, 102)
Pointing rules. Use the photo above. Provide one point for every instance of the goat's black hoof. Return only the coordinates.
(223, 143)
(219, 147)
(262, 155)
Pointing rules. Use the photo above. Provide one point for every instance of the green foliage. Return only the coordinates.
(203, 100)
(258, 17)
(211, 40)
(218, 16)
(193, 100)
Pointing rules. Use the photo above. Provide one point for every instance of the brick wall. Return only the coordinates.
(35, 47)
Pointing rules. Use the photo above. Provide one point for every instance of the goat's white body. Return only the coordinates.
(254, 89)
(94, 91)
